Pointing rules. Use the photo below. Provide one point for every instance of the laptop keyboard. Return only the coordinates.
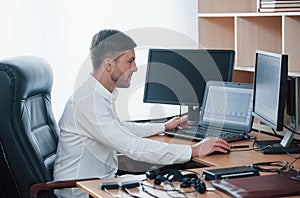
(201, 133)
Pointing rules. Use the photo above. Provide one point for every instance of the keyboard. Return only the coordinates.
(199, 133)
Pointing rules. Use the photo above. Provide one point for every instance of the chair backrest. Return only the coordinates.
(28, 131)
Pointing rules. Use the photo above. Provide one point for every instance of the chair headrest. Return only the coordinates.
(31, 75)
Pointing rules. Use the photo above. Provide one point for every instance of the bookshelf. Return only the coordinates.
(238, 25)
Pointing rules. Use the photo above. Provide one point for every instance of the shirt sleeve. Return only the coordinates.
(144, 129)
(97, 123)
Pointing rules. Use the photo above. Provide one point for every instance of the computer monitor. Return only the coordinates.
(270, 89)
(178, 76)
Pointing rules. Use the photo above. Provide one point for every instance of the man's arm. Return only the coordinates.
(144, 129)
(148, 129)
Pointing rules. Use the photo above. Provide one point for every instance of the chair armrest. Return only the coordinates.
(35, 189)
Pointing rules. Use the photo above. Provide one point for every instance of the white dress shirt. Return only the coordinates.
(91, 134)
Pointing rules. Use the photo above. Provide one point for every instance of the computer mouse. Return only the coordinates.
(219, 153)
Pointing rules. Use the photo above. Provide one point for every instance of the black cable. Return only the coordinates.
(252, 137)
(112, 194)
(179, 110)
(146, 191)
(129, 193)
(297, 178)
(268, 146)
(276, 134)
(162, 189)
(253, 144)
(291, 165)
(168, 190)
(156, 188)
(174, 189)
(293, 131)
(261, 148)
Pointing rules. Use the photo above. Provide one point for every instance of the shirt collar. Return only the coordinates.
(99, 88)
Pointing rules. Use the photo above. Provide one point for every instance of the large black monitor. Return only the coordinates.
(178, 76)
(270, 84)
(270, 90)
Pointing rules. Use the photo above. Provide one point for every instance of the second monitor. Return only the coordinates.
(179, 76)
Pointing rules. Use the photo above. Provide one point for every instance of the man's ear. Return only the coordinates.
(108, 64)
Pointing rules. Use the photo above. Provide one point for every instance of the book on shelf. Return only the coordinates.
(294, 5)
(279, 1)
(279, 6)
(279, 9)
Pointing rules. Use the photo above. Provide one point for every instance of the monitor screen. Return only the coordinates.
(179, 76)
(228, 105)
(270, 84)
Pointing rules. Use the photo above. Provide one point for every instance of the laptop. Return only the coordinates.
(226, 112)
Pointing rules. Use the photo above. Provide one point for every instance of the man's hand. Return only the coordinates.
(176, 122)
(210, 145)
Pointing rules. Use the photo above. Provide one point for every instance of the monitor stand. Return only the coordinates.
(285, 145)
(275, 147)
(193, 115)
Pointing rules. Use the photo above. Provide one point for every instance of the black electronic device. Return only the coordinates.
(226, 112)
(109, 185)
(192, 180)
(174, 175)
(171, 174)
(199, 186)
(271, 85)
(231, 172)
(188, 180)
(178, 76)
(130, 184)
(168, 175)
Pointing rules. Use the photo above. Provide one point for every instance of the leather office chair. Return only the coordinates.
(28, 131)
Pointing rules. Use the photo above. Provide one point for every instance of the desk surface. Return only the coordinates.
(213, 161)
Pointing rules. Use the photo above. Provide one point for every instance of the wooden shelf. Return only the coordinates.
(291, 41)
(248, 14)
(213, 6)
(254, 33)
(210, 37)
(237, 25)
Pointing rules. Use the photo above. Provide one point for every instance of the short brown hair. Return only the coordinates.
(108, 43)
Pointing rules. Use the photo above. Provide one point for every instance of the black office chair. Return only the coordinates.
(28, 131)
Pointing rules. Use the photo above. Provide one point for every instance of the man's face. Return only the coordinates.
(123, 68)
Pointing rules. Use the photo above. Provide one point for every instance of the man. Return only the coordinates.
(91, 132)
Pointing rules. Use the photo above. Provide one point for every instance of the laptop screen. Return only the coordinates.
(227, 105)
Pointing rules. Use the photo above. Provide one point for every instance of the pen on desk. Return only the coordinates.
(238, 146)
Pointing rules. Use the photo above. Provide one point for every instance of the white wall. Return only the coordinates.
(61, 30)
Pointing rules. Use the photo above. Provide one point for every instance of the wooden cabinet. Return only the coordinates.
(237, 25)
